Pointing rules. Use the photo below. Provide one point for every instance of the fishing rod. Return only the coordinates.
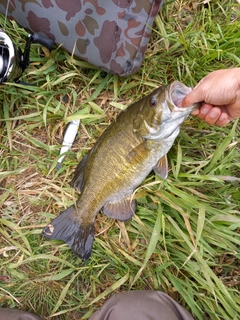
(13, 61)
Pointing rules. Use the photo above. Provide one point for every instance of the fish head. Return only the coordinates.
(159, 115)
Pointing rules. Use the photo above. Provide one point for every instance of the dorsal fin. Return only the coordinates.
(78, 179)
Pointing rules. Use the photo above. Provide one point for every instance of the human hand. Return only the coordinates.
(219, 93)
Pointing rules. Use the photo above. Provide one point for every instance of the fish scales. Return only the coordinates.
(128, 150)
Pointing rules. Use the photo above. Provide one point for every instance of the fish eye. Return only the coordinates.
(152, 102)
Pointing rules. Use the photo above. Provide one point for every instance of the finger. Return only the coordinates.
(192, 97)
(204, 111)
(213, 116)
(195, 112)
(223, 120)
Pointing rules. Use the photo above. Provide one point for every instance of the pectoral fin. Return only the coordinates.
(122, 210)
(161, 168)
(139, 152)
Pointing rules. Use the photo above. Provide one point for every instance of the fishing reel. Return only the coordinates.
(12, 60)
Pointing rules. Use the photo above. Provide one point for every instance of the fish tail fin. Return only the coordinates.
(68, 228)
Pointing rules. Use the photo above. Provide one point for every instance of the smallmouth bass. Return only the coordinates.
(136, 143)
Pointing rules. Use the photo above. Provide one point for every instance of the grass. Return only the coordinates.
(184, 238)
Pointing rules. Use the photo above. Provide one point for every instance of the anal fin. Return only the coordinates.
(122, 210)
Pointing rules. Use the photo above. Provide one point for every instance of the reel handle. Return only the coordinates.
(40, 39)
(33, 38)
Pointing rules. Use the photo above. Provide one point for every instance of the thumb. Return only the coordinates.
(191, 98)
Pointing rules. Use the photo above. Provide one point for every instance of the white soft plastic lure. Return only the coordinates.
(68, 139)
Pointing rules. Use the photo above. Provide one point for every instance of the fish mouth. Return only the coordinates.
(177, 93)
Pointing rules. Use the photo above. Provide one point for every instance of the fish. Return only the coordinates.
(133, 145)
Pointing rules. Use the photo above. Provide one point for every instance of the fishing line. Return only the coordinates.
(6, 13)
